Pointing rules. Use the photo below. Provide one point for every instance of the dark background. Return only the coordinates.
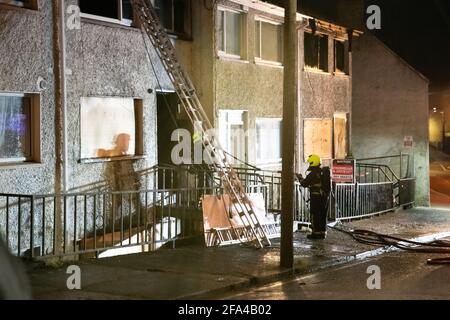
(418, 30)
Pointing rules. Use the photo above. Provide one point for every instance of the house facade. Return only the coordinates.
(235, 58)
(113, 89)
(106, 122)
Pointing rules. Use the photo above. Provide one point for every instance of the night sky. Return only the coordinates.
(418, 30)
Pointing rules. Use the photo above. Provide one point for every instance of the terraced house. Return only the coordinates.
(85, 104)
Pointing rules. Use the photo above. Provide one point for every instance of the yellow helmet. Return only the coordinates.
(314, 160)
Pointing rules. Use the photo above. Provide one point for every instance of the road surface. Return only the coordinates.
(439, 178)
(404, 275)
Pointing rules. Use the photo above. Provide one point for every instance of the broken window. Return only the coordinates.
(118, 11)
(175, 15)
(316, 51)
(339, 56)
(269, 41)
(268, 141)
(229, 25)
(19, 128)
(110, 127)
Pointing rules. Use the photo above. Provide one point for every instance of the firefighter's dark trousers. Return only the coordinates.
(318, 214)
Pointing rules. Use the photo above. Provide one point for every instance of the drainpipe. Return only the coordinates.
(65, 186)
(59, 123)
(350, 92)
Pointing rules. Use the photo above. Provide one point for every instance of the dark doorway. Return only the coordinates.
(169, 118)
(167, 111)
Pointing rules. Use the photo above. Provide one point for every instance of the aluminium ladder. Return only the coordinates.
(188, 97)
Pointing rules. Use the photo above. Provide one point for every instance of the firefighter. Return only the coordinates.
(318, 197)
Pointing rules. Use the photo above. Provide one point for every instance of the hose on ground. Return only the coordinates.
(378, 239)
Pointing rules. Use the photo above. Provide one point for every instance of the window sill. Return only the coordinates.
(112, 159)
(318, 71)
(230, 58)
(109, 24)
(20, 165)
(272, 64)
(179, 36)
(340, 74)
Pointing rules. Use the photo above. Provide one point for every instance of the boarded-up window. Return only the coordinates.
(340, 136)
(110, 127)
(317, 138)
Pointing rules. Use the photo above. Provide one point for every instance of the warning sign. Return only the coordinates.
(408, 142)
(343, 171)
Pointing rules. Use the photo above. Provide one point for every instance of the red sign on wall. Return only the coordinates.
(343, 171)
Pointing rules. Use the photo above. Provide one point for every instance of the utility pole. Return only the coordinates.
(290, 105)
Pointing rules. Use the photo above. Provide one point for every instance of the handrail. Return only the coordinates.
(379, 166)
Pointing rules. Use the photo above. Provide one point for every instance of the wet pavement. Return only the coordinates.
(198, 272)
(402, 276)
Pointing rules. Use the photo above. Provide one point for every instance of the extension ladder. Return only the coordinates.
(188, 97)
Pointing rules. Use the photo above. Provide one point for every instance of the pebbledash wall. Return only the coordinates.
(26, 55)
(110, 60)
(225, 83)
(102, 60)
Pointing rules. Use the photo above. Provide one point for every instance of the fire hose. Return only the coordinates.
(374, 238)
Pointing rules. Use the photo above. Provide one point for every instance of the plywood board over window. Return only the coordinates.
(340, 136)
(111, 127)
(317, 138)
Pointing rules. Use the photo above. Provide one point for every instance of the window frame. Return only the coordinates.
(33, 5)
(336, 70)
(272, 161)
(227, 125)
(121, 21)
(258, 58)
(35, 131)
(225, 54)
(187, 34)
(138, 128)
(319, 36)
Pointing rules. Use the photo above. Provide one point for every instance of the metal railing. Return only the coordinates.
(83, 223)
(379, 188)
(166, 207)
(353, 201)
